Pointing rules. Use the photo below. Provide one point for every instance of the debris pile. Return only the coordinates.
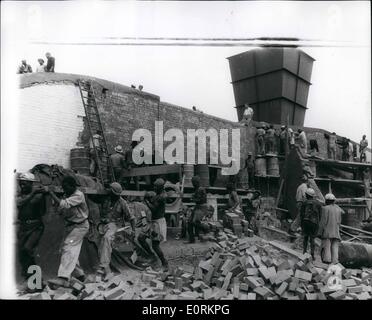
(234, 268)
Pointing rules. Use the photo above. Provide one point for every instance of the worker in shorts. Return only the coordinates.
(310, 217)
(156, 203)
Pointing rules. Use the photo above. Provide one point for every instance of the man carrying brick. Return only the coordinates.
(156, 203)
(199, 211)
(310, 217)
(31, 208)
(300, 198)
(114, 214)
(329, 229)
(74, 209)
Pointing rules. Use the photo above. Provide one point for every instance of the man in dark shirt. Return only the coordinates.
(50, 64)
(200, 209)
(310, 218)
(31, 207)
(114, 214)
(156, 203)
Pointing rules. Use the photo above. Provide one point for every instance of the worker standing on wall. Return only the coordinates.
(95, 144)
(270, 139)
(300, 198)
(234, 201)
(118, 162)
(114, 215)
(51, 62)
(310, 217)
(332, 147)
(302, 141)
(31, 208)
(329, 229)
(200, 209)
(156, 203)
(74, 209)
(260, 140)
(363, 148)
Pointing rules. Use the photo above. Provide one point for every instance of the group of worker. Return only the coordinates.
(348, 148)
(270, 141)
(146, 219)
(318, 220)
(24, 67)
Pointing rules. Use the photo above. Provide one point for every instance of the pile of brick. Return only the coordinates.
(234, 268)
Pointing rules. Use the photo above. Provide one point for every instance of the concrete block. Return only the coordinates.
(282, 288)
(303, 275)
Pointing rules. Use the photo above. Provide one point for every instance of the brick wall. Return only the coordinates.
(52, 111)
(49, 124)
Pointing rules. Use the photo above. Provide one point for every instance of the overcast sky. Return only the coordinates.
(339, 99)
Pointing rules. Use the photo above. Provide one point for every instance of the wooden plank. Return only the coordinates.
(356, 229)
(152, 170)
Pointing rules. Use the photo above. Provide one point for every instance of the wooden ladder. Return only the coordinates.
(103, 161)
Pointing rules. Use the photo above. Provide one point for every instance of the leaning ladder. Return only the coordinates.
(105, 169)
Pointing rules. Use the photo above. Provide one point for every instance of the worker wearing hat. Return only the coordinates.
(31, 208)
(310, 217)
(114, 214)
(75, 212)
(329, 229)
(300, 198)
(156, 203)
(118, 162)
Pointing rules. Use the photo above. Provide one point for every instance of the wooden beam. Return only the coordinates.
(356, 229)
(152, 170)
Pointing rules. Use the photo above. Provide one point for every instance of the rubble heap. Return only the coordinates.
(234, 268)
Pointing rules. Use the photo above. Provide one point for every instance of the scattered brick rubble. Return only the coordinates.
(234, 268)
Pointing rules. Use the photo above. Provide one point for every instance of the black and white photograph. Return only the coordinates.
(186, 150)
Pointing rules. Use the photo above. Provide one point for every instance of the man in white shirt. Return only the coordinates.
(41, 66)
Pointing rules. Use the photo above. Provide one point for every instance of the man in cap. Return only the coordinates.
(329, 229)
(31, 208)
(74, 210)
(200, 209)
(300, 198)
(310, 217)
(156, 203)
(114, 214)
(118, 162)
